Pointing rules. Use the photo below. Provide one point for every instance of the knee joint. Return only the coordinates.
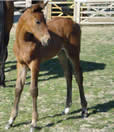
(34, 91)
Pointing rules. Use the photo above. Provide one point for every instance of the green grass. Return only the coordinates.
(97, 60)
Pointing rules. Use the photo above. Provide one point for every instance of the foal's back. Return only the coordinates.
(67, 29)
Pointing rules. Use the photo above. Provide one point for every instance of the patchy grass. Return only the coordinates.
(97, 60)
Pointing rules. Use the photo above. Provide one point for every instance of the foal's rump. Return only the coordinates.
(67, 29)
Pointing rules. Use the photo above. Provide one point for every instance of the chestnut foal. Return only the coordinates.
(36, 42)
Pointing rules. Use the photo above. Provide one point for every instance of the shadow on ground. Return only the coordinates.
(52, 67)
(99, 108)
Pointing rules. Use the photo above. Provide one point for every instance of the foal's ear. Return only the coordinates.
(39, 6)
(45, 4)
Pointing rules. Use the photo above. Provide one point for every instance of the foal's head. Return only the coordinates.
(36, 24)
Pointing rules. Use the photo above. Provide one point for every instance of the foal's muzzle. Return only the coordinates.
(45, 39)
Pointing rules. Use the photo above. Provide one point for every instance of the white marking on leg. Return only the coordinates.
(31, 129)
(7, 127)
(34, 124)
(10, 122)
(66, 111)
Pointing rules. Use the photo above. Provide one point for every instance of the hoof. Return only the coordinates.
(32, 129)
(84, 114)
(66, 111)
(10, 122)
(7, 126)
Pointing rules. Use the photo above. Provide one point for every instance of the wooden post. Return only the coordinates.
(77, 12)
(28, 3)
(74, 14)
(46, 9)
(49, 6)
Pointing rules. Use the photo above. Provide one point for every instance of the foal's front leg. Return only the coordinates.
(34, 67)
(21, 75)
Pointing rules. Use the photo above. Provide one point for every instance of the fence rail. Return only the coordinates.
(22, 3)
(81, 11)
(63, 9)
(94, 12)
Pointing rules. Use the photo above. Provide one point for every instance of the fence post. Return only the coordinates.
(49, 10)
(74, 16)
(77, 11)
(28, 3)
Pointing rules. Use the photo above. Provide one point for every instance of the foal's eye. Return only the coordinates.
(38, 22)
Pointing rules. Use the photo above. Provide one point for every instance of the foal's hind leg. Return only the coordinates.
(21, 75)
(73, 53)
(68, 75)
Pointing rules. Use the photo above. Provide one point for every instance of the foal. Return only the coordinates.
(36, 42)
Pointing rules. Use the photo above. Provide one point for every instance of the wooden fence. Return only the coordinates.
(81, 11)
(94, 12)
(63, 9)
(84, 11)
(22, 3)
